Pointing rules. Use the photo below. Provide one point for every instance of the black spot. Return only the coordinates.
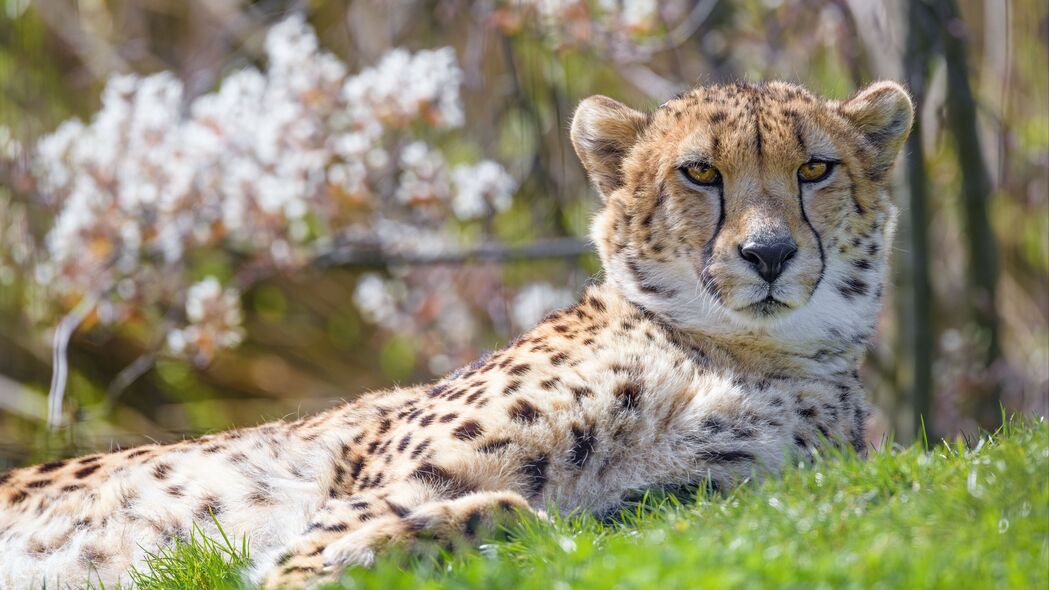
(596, 303)
(448, 417)
(742, 431)
(523, 411)
(472, 523)
(534, 472)
(713, 456)
(93, 556)
(512, 387)
(520, 369)
(336, 528)
(427, 420)
(853, 287)
(40, 483)
(85, 471)
(404, 443)
(161, 471)
(493, 446)
(468, 430)
(355, 467)
(581, 391)
(549, 384)
(397, 509)
(211, 506)
(558, 358)
(583, 447)
(442, 479)
(366, 482)
(419, 449)
(384, 426)
(45, 468)
(260, 496)
(629, 395)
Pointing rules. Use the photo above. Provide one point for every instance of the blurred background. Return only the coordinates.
(215, 213)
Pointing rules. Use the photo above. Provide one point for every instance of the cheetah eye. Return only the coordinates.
(814, 171)
(702, 174)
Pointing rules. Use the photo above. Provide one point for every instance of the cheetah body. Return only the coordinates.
(665, 374)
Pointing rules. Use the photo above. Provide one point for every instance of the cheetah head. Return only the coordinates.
(753, 209)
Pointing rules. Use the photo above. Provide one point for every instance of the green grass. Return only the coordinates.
(963, 515)
(194, 563)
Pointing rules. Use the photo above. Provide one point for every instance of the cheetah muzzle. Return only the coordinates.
(744, 235)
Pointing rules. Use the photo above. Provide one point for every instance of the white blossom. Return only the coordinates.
(10, 147)
(424, 177)
(626, 30)
(403, 86)
(375, 300)
(214, 317)
(481, 188)
(272, 164)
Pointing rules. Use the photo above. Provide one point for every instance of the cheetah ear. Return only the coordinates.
(883, 113)
(603, 131)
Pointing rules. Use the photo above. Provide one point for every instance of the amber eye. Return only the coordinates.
(813, 171)
(702, 174)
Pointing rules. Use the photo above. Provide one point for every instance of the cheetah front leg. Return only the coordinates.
(323, 552)
(302, 563)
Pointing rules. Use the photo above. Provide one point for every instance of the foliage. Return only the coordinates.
(957, 515)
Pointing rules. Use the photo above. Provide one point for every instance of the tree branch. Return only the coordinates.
(375, 256)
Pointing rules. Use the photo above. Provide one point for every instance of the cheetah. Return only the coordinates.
(743, 232)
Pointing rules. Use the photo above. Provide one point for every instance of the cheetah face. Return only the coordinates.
(747, 208)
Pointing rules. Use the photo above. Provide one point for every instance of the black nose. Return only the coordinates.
(768, 257)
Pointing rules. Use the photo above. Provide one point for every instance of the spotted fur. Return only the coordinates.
(683, 366)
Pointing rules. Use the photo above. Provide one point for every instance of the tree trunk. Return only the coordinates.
(976, 193)
(915, 65)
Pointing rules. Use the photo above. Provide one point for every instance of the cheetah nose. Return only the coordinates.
(768, 257)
